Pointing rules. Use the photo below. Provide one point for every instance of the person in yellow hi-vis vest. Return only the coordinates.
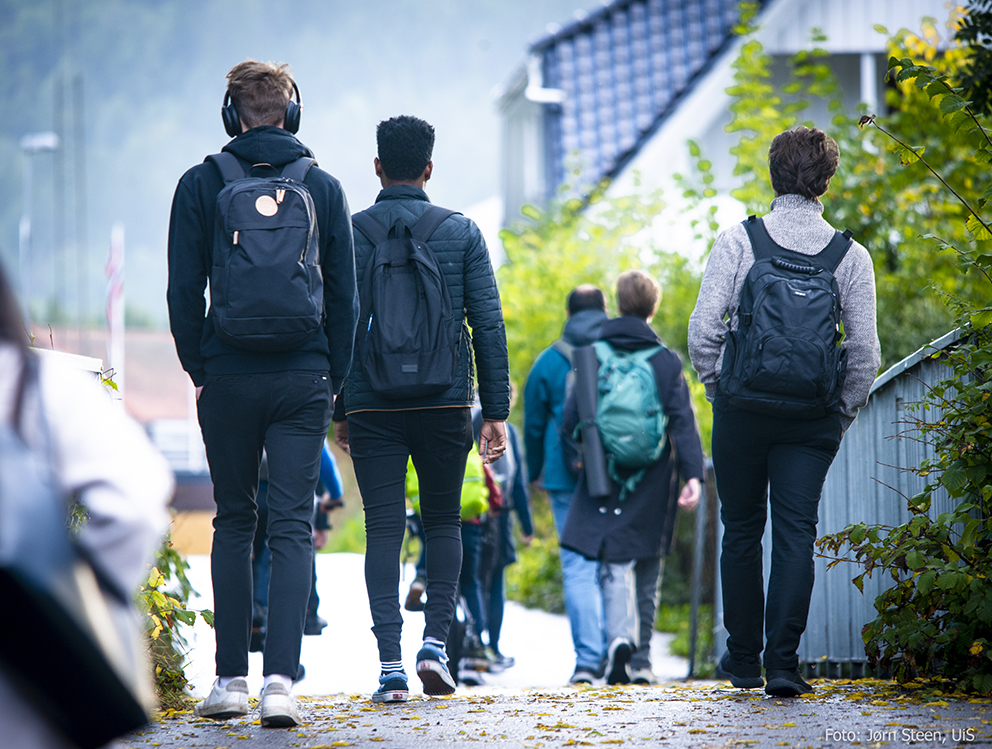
(474, 506)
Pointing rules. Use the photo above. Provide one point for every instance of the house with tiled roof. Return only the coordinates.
(619, 91)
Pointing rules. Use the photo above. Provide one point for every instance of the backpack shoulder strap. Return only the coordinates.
(228, 165)
(831, 255)
(644, 354)
(564, 348)
(370, 226)
(762, 244)
(603, 350)
(297, 170)
(427, 223)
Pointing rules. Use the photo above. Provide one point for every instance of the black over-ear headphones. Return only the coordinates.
(232, 123)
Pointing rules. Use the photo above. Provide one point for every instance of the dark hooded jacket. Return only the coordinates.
(640, 527)
(468, 274)
(191, 230)
(544, 403)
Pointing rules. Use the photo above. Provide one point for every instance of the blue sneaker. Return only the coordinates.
(432, 668)
(392, 688)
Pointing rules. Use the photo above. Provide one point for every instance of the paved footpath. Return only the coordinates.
(675, 714)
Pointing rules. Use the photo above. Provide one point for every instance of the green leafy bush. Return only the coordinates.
(535, 579)
(163, 600)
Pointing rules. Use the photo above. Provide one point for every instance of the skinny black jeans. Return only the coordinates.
(288, 414)
(761, 460)
(438, 440)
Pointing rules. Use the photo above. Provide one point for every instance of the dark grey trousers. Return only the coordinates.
(288, 414)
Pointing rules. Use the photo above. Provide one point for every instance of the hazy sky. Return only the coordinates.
(153, 81)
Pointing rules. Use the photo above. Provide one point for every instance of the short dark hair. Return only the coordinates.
(405, 145)
(802, 161)
(638, 294)
(586, 297)
(260, 92)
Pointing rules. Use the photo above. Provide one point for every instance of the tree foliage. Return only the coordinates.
(880, 195)
(554, 251)
(568, 244)
(975, 32)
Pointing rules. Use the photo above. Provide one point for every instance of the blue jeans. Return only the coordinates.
(583, 598)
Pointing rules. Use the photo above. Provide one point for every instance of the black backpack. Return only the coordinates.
(266, 287)
(406, 342)
(785, 357)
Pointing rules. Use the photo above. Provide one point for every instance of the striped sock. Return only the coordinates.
(392, 668)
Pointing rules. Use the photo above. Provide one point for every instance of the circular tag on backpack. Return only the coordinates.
(266, 205)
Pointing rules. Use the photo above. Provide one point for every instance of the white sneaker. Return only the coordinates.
(279, 707)
(225, 702)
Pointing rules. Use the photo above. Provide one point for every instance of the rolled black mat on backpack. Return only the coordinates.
(586, 370)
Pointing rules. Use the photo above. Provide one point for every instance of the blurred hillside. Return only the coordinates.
(134, 87)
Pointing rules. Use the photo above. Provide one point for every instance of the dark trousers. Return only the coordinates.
(288, 414)
(261, 563)
(763, 460)
(438, 440)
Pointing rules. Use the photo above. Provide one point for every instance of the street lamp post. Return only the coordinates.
(30, 145)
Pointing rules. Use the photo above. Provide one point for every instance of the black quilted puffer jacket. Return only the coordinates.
(464, 260)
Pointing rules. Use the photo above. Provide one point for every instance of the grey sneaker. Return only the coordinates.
(582, 676)
(279, 708)
(432, 668)
(643, 676)
(224, 703)
(392, 688)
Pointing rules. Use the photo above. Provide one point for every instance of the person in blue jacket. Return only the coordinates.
(544, 404)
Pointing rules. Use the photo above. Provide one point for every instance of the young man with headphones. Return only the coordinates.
(273, 389)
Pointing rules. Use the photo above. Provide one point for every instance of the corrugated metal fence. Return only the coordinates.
(866, 483)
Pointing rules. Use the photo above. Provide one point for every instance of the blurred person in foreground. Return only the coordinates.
(102, 459)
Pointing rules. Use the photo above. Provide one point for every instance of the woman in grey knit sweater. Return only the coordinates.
(761, 458)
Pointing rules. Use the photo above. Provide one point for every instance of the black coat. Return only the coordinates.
(191, 231)
(642, 526)
(464, 260)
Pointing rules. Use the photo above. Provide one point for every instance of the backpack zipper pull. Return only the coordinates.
(280, 194)
(235, 237)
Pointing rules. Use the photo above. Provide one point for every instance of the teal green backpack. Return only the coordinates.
(632, 423)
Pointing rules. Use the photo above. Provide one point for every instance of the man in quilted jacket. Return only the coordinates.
(381, 433)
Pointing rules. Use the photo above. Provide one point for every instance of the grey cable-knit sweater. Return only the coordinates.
(795, 223)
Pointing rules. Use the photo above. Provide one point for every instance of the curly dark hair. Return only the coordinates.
(802, 161)
(405, 145)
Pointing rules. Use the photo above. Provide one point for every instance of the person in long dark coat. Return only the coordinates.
(634, 534)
